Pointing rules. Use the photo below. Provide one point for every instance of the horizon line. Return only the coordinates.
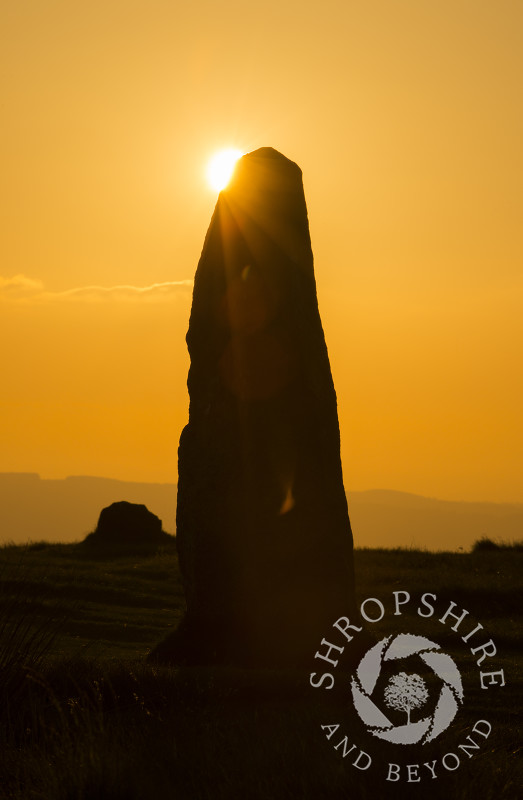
(348, 492)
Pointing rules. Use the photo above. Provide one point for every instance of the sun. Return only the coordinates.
(221, 166)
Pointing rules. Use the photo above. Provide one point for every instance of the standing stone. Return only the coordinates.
(263, 531)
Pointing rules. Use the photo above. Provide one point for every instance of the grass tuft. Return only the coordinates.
(488, 545)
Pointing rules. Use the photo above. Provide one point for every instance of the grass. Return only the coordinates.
(488, 544)
(115, 606)
(89, 718)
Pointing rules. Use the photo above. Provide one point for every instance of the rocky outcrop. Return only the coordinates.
(127, 524)
(263, 531)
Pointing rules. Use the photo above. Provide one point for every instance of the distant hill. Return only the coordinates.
(66, 510)
(382, 518)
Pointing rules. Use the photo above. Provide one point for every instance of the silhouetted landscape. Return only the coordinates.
(83, 714)
(261, 511)
(135, 663)
(32, 509)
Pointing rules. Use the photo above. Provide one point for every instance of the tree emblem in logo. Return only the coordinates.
(406, 692)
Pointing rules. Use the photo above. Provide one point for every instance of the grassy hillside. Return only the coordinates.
(105, 605)
(83, 716)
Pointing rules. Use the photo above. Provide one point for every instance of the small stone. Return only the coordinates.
(125, 522)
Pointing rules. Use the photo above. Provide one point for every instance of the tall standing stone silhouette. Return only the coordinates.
(263, 531)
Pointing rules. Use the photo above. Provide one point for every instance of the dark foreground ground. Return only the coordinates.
(82, 715)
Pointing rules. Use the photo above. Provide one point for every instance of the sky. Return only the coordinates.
(406, 120)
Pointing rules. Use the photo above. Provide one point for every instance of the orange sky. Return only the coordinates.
(406, 119)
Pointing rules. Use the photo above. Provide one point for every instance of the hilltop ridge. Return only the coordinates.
(32, 509)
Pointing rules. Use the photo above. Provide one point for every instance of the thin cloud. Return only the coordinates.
(124, 291)
(21, 288)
